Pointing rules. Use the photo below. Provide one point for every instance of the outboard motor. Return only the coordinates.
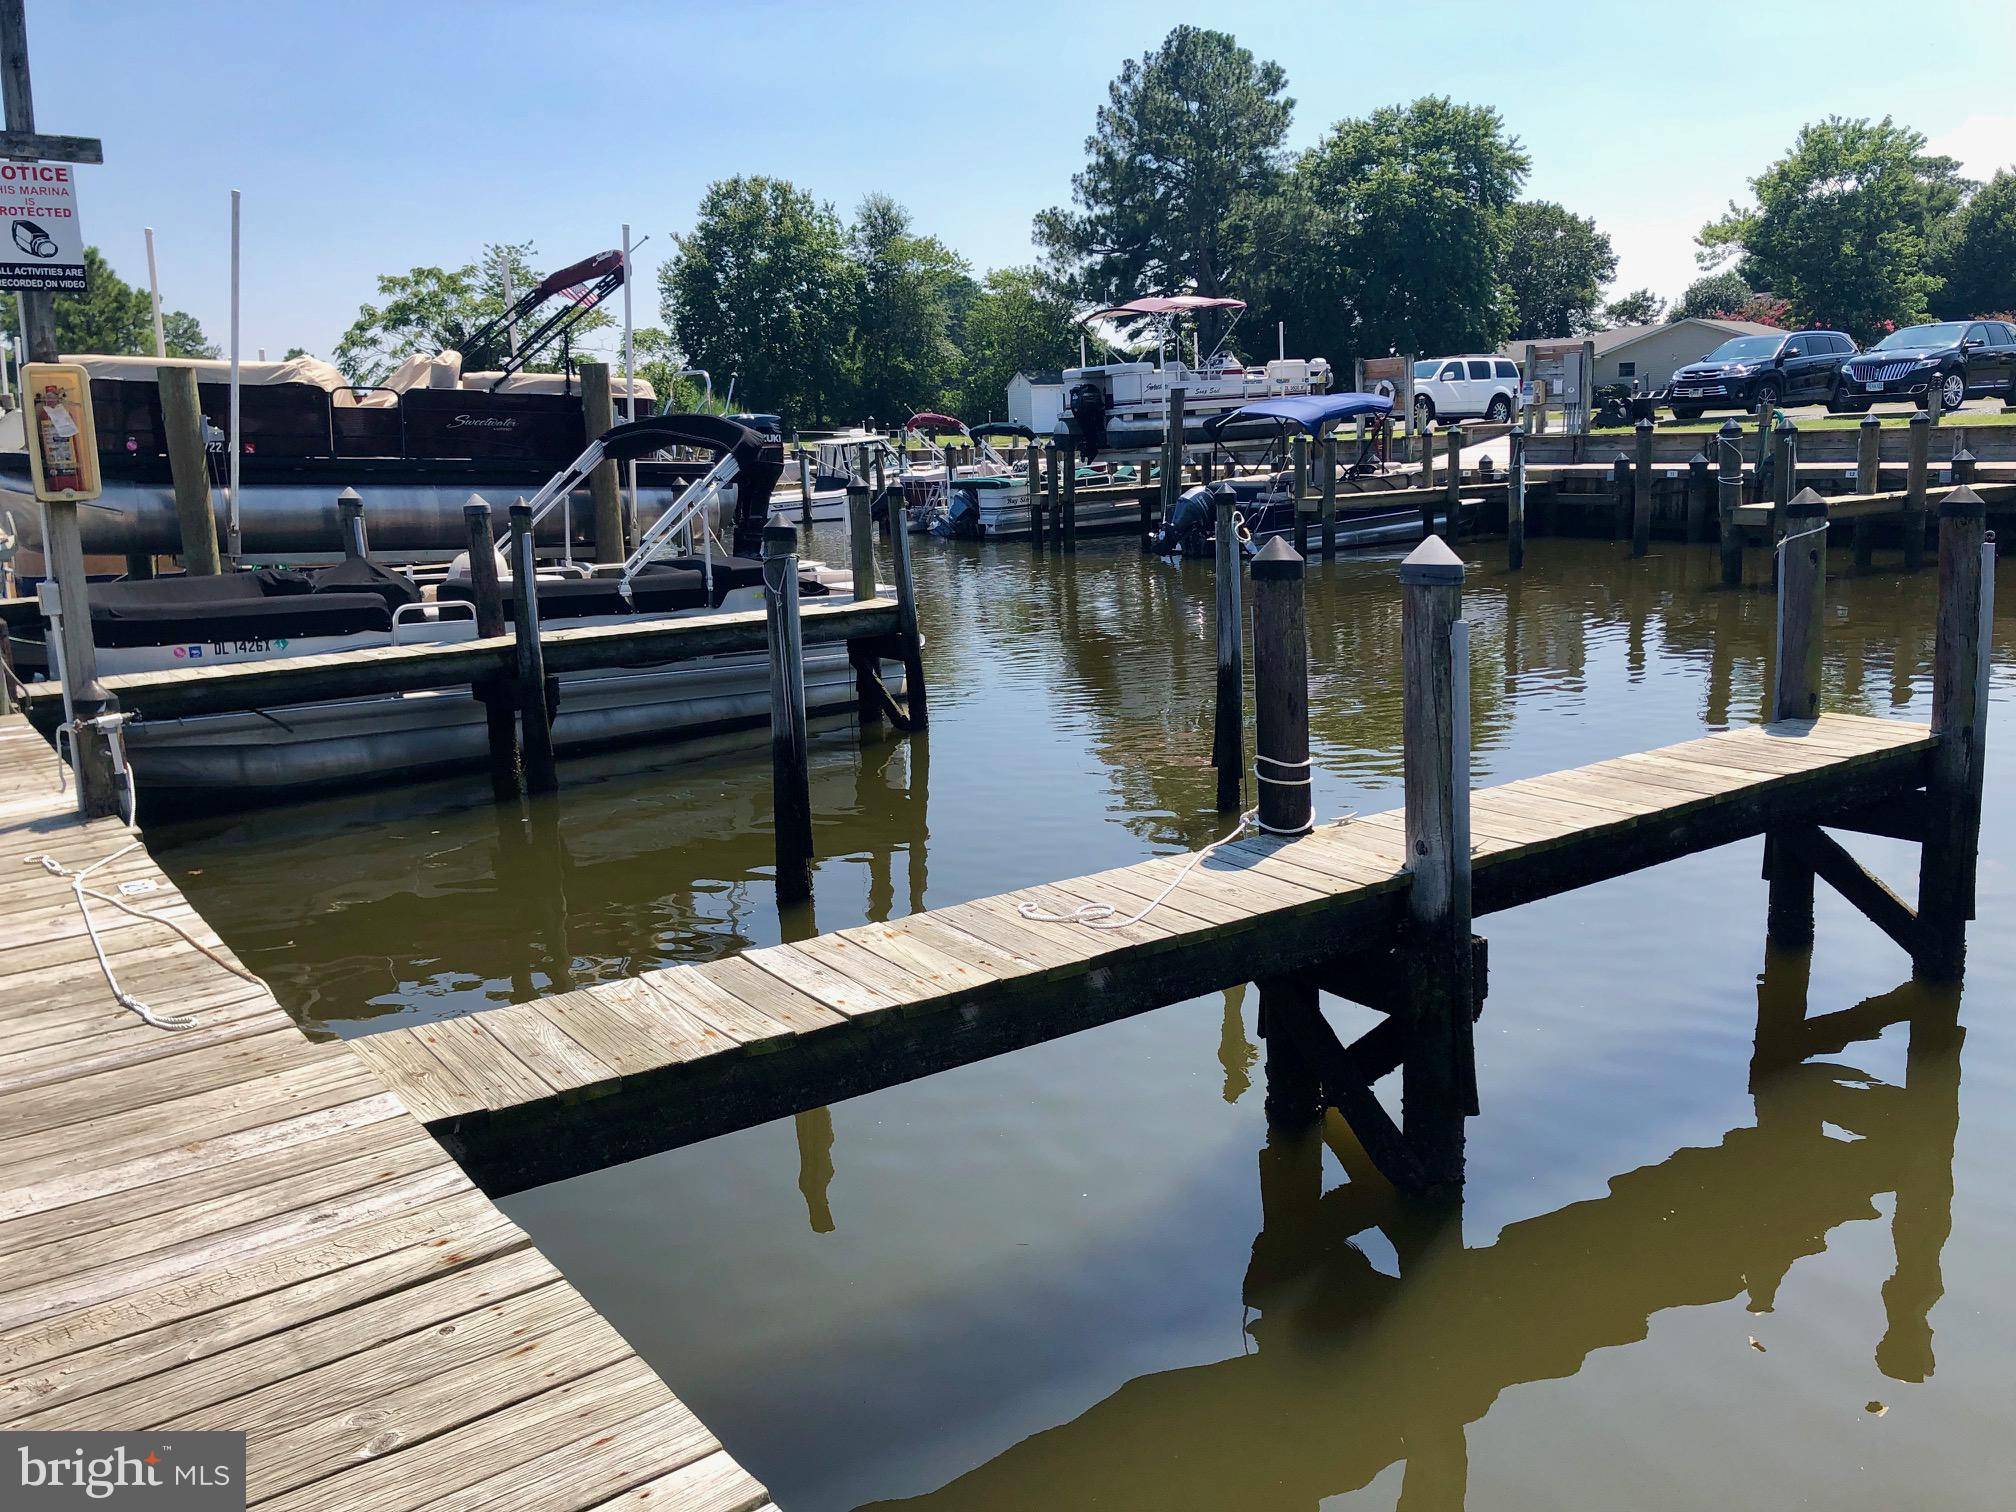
(961, 520)
(1191, 524)
(1088, 410)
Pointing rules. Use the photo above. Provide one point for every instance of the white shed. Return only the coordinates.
(1036, 400)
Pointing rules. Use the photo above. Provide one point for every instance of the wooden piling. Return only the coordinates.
(1424, 446)
(535, 712)
(861, 554)
(1438, 1075)
(1729, 499)
(1700, 497)
(1917, 467)
(350, 524)
(1172, 453)
(189, 465)
(1960, 719)
(1053, 495)
(1298, 450)
(1068, 536)
(1620, 494)
(598, 413)
(790, 774)
(1868, 480)
(1280, 690)
(1964, 462)
(1228, 722)
(494, 693)
(1784, 468)
(1328, 515)
(1641, 492)
(805, 474)
(910, 642)
(1035, 482)
(1515, 500)
(1452, 503)
(1802, 591)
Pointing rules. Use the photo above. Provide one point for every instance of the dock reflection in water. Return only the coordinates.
(1035, 1281)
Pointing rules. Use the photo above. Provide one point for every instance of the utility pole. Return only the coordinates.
(62, 545)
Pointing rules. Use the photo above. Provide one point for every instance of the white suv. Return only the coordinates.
(1466, 388)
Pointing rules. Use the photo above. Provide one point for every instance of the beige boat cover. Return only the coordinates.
(556, 383)
(214, 370)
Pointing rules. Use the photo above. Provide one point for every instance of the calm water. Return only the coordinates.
(1691, 1271)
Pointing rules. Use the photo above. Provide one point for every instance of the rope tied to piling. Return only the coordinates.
(1106, 915)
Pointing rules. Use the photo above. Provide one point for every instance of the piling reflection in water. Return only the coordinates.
(1353, 1369)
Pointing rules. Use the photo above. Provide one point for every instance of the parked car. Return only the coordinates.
(1758, 372)
(1962, 359)
(1466, 388)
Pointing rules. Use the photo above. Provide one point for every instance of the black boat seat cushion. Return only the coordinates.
(292, 616)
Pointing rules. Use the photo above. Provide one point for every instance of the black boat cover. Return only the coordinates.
(270, 604)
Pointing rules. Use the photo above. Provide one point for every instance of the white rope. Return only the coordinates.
(1820, 529)
(1105, 915)
(111, 726)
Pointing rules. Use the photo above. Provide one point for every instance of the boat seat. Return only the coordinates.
(655, 592)
(289, 616)
(356, 575)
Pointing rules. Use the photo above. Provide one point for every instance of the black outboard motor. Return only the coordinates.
(1088, 411)
(962, 516)
(1191, 525)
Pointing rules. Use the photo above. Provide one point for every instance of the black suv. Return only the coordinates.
(1963, 359)
(1758, 372)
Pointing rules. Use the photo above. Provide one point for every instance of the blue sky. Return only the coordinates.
(370, 137)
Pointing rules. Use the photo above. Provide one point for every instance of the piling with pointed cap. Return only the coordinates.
(1228, 738)
(861, 549)
(350, 522)
(1729, 499)
(1784, 470)
(1068, 535)
(1960, 720)
(1868, 480)
(493, 692)
(1452, 483)
(790, 778)
(1280, 689)
(909, 639)
(1699, 497)
(1299, 490)
(1963, 466)
(1802, 583)
(1917, 468)
(1620, 494)
(533, 695)
(1515, 498)
(1328, 482)
(1035, 482)
(1641, 492)
(1438, 1077)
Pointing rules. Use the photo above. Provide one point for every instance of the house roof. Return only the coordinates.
(1618, 337)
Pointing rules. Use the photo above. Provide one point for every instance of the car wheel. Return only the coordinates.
(1686, 412)
(1765, 396)
(1500, 410)
(1952, 391)
(1424, 410)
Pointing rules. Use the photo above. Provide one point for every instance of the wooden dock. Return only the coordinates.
(546, 1089)
(232, 1226)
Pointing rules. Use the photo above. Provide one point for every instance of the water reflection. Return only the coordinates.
(1353, 1369)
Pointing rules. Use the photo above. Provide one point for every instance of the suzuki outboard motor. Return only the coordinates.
(1189, 529)
(961, 521)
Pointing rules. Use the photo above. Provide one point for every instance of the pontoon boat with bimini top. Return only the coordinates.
(682, 568)
(1123, 407)
(413, 447)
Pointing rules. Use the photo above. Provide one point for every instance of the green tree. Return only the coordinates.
(430, 310)
(907, 301)
(762, 288)
(1185, 150)
(1843, 224)
(1716, 294)
(1020, 322)
(1974, 253)
(1555, 264)
(1397, 224)
(1639, 307)
(114, 319)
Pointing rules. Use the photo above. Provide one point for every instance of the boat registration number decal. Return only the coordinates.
(252, 647)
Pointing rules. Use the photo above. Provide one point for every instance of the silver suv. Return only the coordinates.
(1466, 388)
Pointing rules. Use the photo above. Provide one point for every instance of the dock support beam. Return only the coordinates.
(1729, 499)
(1452, 500)
(910, 641)
(188, 464)
(1068, 536)
(1280, 690)
(1802, 592)
(598, 414)
(1515, 499)
(1438, 1078)
(1641, 492)
(1053, 497)
(1228, 744)
(868, 704)
(790, 777)
(1917, 463)
(1298, 448)
(535, 712)
(1960, 720)
(1868, 480)
(492, 692)
(1700, 498)
(1172, 458)
(1327, 513)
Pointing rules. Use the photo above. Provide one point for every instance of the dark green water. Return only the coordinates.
(1692, 1270)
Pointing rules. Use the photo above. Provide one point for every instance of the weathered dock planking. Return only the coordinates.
(540, 1090)
(232, 1226)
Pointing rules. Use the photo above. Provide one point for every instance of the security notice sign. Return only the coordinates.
(41, 242)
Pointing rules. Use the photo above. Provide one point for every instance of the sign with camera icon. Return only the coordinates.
(42, 247)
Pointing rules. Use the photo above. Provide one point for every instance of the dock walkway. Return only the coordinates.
(232, 1226)
(544, 1089)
